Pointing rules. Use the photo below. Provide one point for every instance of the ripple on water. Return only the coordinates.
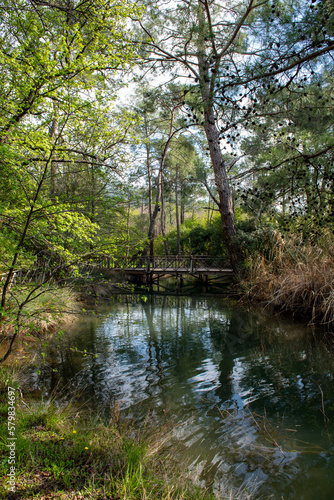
(245, 395)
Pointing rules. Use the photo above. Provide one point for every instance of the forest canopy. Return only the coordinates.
(137, 128)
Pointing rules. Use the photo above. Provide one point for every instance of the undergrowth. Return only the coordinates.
(295, 275)
(43, 314)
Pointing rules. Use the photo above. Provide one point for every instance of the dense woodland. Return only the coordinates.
(168, 127)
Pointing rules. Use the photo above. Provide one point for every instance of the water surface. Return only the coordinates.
(252, 395)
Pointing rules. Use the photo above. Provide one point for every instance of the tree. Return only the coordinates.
(57, 62)
(291, 148)
(181, 165)
(227, 51)
(159, 132)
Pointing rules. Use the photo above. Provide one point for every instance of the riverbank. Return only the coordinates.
(44, 316)
(294, 276)
(36, 313)
(67, 453)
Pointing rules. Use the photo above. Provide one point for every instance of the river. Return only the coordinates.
(250, 395)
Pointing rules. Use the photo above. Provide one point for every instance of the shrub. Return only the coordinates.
(198, 238)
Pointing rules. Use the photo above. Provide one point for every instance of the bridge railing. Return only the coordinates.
(208, 262)
(191, 263)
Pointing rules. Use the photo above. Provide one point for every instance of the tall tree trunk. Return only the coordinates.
(208, 218)
(211, 212)
(162, 220)
(92, 215)
(206, 83)
(226, 207)
(151, 229)
(142, 212)
(177, 209)
(128, 229)
(182, 208)
(153, 218)
(149, 175)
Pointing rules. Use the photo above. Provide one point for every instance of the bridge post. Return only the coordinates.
(191, 264)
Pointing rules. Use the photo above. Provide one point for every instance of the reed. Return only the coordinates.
(296, 275)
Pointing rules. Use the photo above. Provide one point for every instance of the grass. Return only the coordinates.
(297, 276)
(45, 308)
(63, 453)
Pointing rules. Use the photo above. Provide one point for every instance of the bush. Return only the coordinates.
(197, 238)
(253, 240)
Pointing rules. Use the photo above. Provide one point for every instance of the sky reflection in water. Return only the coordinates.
(246, 391)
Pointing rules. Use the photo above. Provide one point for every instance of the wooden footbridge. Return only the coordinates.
(145, 268)
(194, 265)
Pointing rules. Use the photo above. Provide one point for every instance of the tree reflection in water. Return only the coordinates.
(247, 391)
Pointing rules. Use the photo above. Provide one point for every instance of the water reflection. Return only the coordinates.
(249, 393)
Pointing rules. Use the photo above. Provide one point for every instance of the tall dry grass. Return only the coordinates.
(295, 275)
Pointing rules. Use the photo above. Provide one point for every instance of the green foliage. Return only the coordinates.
(197, 238)
(57, 126)
(253, 240)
